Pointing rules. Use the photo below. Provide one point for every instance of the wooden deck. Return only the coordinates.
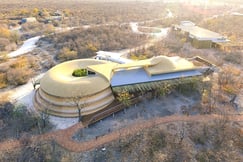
(114, 107)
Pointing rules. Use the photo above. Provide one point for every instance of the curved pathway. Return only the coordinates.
(64, 137)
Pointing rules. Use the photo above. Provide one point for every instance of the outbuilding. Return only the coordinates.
(199, 37)
(28, 20)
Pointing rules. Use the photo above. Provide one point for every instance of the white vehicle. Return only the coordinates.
(111, 56)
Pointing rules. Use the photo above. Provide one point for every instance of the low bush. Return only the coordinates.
(3, 43)
(67, 54)
(19, 76)
(18, 72)
(234, 58)
(20, 63)
(157, 140)
(229, 81)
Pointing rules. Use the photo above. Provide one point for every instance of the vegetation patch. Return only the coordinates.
(17, 121)
(83, 43)
(80, 73)
(187, 85)
(124, 97)
(169, 46)
(234, 58)
(18, 72)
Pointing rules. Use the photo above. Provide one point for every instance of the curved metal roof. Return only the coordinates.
(59, 81)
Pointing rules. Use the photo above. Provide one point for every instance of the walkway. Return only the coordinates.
(64, 137)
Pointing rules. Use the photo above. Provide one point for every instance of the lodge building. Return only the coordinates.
(59, 89)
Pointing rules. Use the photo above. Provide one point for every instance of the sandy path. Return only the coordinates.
(64, 137)
(28, 46)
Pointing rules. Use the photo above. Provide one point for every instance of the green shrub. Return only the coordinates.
(80, 73)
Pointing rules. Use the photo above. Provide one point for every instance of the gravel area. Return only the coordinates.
(148, 109)
(62, 123)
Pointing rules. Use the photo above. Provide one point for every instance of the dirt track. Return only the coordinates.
(64, 137)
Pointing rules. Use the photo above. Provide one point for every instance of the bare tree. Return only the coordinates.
(44, 117)
(76, 100)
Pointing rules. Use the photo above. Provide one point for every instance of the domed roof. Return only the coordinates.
(164, 64)
(58, 81)
(166, 61)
